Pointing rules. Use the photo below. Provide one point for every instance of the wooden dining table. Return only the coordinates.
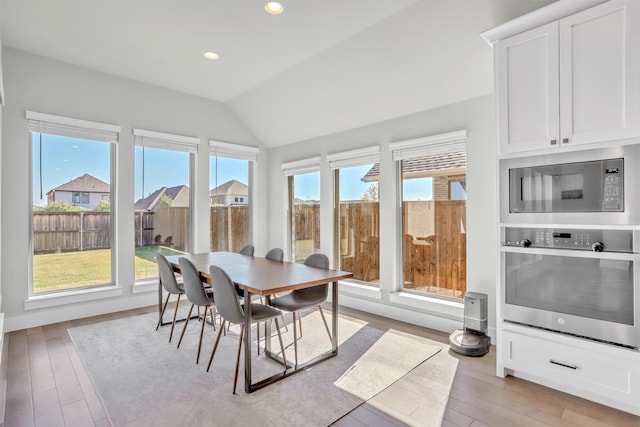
(264, 277)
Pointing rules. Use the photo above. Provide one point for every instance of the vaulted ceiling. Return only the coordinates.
(322, 66)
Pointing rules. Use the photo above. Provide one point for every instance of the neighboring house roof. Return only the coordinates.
(85, 183)
(435, 164)
(179, 194)
(232, 187)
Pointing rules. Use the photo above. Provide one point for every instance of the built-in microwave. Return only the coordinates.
(587, 187)
(591, 186)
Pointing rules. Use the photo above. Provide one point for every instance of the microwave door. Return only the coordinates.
(531, 190)
(578, 187)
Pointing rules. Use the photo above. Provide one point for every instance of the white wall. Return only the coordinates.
(48, 86)
(477, 117)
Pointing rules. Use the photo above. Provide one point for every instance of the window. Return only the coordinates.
(357, 222)
(303, 184)
(433, 183)
(72, 238)
(162, 210)
(231, 171)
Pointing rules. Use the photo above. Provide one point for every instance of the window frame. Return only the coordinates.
(343, 160)
(69, 127)
(289, 170)
(171, 142)
(238, 152)
(410, 149)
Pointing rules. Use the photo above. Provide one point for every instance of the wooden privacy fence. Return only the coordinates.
(87, 230)
(229, 228)
(71, 231)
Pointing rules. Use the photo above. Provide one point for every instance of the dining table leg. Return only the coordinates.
(247, 341)
(334, 317)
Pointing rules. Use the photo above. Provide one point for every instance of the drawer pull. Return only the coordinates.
(563, 364)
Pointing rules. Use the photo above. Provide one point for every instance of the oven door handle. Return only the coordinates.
(622, 256)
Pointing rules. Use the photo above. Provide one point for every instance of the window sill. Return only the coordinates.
(356, 289)
(71, 297)
(145, 286)
(440, 307)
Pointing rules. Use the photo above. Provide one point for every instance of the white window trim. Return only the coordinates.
(70, 127)
(149, 284)
(233, 151)
(435, 144)
(408, 149)
(359, 290)
(166, 141)
(35, 302)
(429, 304)
(362, 156)
(300, 167)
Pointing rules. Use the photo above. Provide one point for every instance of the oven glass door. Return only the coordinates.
(593, 288)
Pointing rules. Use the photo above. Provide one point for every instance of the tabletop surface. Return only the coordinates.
(262, 276)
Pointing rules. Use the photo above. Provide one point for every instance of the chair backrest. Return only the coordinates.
(193, 286)
(167, 276)
(247, 250)
(317, 260)
(275, 254)
(227, 301)
(319, 291)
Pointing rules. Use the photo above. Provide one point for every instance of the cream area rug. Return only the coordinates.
(143, 380)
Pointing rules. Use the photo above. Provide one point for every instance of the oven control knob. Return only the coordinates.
(525, 243)
(597, 247)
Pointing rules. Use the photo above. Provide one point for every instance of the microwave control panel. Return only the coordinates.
(578, 239)
(613, 186)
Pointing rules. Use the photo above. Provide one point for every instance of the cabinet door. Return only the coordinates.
(600, 73)
(527, 90)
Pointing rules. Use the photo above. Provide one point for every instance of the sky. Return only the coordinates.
(64, 159)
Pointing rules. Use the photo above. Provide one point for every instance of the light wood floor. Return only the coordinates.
(45, 385)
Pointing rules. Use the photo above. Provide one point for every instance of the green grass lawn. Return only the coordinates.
(304, 248)
(79, 269)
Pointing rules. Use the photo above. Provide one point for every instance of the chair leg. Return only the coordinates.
(184, 328)
(300, 322)
(164, 307)
(175, 313)
(204, 321)
(295, 339)
(284, 322)
(235, 378)
(284, 356)
(326, 326)
(212, 312)
(215, 346)
(258, 335)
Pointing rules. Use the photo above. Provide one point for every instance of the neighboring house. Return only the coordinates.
(231, 193)
(445, 169)
(178, 194)
(85, 191)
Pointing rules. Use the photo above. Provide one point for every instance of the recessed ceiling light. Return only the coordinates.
(273, 7)
(212, 56)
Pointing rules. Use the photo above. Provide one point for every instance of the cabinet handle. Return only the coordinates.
(565, 140)
(554, 142)
(554, 362)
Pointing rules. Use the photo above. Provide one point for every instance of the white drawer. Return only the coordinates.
(592, 370)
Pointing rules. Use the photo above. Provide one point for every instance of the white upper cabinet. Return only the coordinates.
(573, 81)
(528, 90)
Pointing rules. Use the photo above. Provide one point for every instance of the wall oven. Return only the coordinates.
(573, 280)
